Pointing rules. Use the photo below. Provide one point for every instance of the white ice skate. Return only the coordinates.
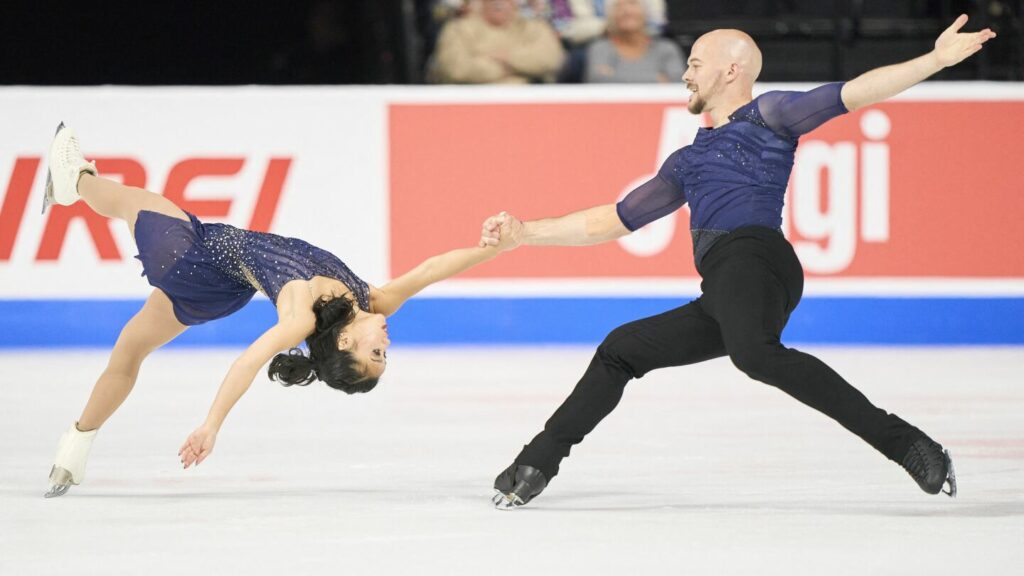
(66, 165)
(69, 464)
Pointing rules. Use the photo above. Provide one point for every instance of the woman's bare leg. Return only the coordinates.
(152, 327)
(115, 200)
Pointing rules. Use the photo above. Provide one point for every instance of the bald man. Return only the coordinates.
(734, 177)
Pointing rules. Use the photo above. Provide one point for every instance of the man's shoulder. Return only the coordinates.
(750, 114)
(748, 110)
(770, 95)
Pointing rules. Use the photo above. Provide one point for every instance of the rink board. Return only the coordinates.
(539, 321)
(906, 215)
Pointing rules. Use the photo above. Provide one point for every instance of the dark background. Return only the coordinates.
(388, 41)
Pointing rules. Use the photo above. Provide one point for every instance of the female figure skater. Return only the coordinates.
(202, 272)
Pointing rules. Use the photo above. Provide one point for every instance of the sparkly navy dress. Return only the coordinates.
(212, 270)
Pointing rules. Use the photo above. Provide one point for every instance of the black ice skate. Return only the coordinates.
(930, 466)
(517, 485)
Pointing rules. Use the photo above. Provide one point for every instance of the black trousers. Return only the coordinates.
(752, 281)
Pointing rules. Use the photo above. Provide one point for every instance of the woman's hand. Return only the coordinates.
(198, 446)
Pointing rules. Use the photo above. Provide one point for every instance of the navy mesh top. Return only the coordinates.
(734, 175)
(211, 270)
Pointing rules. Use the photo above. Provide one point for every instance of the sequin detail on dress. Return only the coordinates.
(212, 270)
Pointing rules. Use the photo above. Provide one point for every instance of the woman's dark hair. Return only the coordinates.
(336, 368)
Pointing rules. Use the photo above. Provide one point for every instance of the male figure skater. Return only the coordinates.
(734, 177)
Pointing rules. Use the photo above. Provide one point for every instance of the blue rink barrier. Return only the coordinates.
(533, 321)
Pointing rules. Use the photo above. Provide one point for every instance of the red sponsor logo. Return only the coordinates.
(901, 189)
(131, 172)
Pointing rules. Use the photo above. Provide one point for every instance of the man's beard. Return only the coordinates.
(696, 104)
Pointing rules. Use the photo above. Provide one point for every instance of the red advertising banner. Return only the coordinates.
(903, 189)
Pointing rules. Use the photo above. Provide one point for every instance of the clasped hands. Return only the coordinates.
(502, 231)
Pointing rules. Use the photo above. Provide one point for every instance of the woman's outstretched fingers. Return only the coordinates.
(188, 455)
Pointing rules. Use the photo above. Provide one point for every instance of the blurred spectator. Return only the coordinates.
(630, 53)
(580, 21)
(431, 17)
(496, 45)
(577, 21)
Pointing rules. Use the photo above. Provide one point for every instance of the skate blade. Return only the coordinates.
(48, 190)
(60, 482)
(950, 477)
(504, 501)
(57, 490)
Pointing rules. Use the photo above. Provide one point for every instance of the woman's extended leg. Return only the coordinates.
(115, 200)
(71, 178)
(150, 328)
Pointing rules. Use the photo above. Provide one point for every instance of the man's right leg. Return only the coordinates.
(685, 335)
(150, 328)
(751, 298)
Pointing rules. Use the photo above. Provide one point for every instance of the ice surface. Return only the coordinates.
(699, 471)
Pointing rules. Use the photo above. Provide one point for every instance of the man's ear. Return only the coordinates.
(733, 72)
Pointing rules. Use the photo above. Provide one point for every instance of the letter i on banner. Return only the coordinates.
(874, 177)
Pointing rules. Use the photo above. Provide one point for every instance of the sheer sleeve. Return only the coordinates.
(653, 199)
(794, 114)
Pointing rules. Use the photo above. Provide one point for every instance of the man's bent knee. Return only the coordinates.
(614, 351)
(758, 362)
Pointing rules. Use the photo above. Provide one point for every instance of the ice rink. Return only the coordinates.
(699, 471)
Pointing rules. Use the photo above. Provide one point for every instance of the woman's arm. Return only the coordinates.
(500, 233)
(284, 335)
(390, 297)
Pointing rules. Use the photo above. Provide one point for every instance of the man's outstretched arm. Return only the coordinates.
(952, 47)
(658, 197)
(582, 228)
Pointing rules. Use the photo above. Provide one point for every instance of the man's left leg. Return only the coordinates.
(751, 302)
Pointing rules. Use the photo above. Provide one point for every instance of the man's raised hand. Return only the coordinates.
(953, 46)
